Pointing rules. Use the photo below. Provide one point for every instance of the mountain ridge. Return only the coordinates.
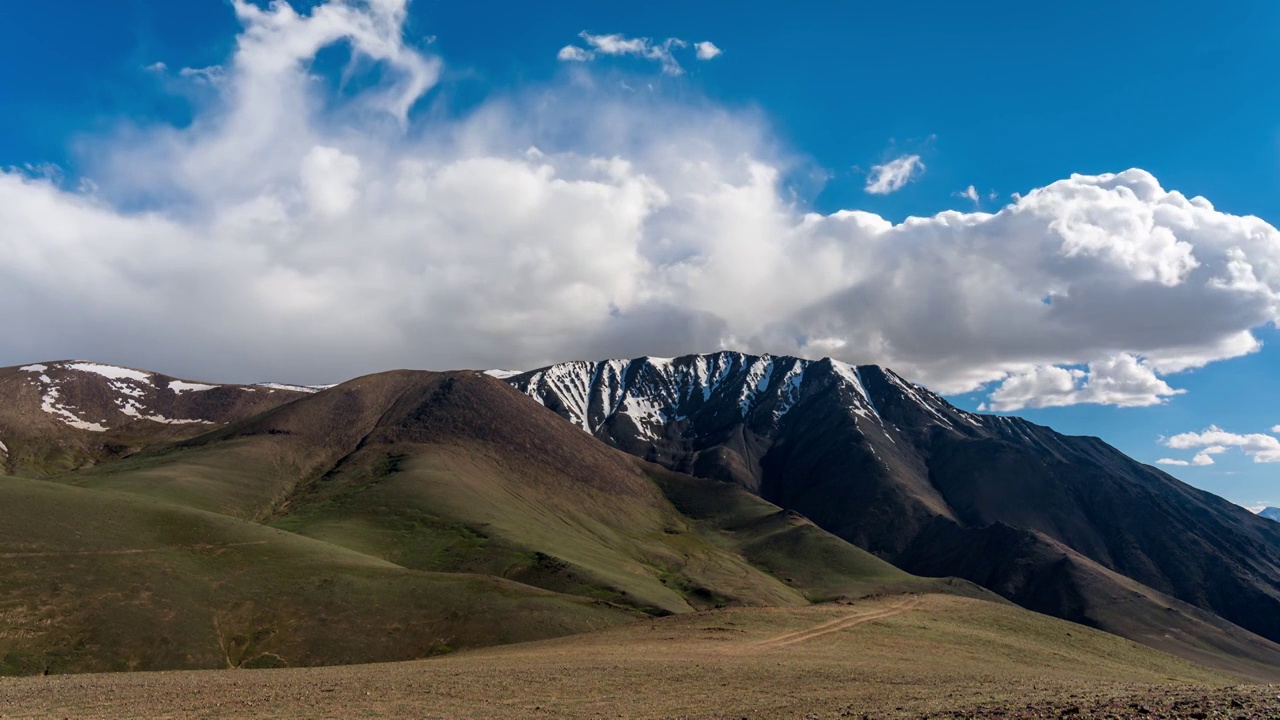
(898, 471)
(745, 479)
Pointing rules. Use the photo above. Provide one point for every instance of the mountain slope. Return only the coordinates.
(93, 581)
(458, 472)
(897, 470)
(60, 416)
(1271, 514)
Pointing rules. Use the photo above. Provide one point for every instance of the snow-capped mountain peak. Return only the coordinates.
(656, 397)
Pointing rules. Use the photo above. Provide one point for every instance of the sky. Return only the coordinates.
(1064, 212)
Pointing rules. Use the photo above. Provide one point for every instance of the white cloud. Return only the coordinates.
(891, 176)
(211, 74)
(157, 67)
(329, 178)
(616, 45)
(707, 50)
(573, 53)
(1215, 441)
(287, 233)
(1275, 429)
(1201, 458)
(971, 193)
(1122, 380)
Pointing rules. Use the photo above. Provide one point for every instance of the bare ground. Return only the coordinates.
(906, 656)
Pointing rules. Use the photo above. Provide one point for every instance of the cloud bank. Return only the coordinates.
(292, 233)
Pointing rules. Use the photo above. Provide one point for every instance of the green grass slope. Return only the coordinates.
(94, 581)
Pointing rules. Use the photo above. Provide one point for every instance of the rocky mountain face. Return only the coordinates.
(58, 416)
(1271, 513)
(1058, 524)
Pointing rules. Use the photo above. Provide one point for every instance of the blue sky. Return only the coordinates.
(1002, 96)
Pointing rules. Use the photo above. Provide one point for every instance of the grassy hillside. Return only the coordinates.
(93, 580)
(410, 513)
(459, 473)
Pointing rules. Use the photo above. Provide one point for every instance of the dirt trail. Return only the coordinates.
(836, 625)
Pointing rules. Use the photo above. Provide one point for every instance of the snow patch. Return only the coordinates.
(34, 368)
(910, 391)
(134, 410)
(49, 404)
(179, 387)
(758, 376)
(851, 376)
(293, 388)
(129, 390)
(502, 374)
(645, 413)
(789, 390)
(111, 371)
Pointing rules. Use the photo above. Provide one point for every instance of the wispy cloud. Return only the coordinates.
(211, 74)
(615, 44)
(893, 175)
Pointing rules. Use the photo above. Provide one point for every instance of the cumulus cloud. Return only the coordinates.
(893, 175)
(1215, 441)
(289, 233)
(707, 50)
(1121, 380)
(616, 44)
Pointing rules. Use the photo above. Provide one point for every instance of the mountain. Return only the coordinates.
(408, 513)
(60, 416)
(394, 516)
(1271, 514)
(1063, 525)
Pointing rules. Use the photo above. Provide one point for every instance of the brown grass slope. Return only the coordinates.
(890, 657)
(94, 580)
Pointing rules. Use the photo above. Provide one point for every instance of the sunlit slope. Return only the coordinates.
(93, 580)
